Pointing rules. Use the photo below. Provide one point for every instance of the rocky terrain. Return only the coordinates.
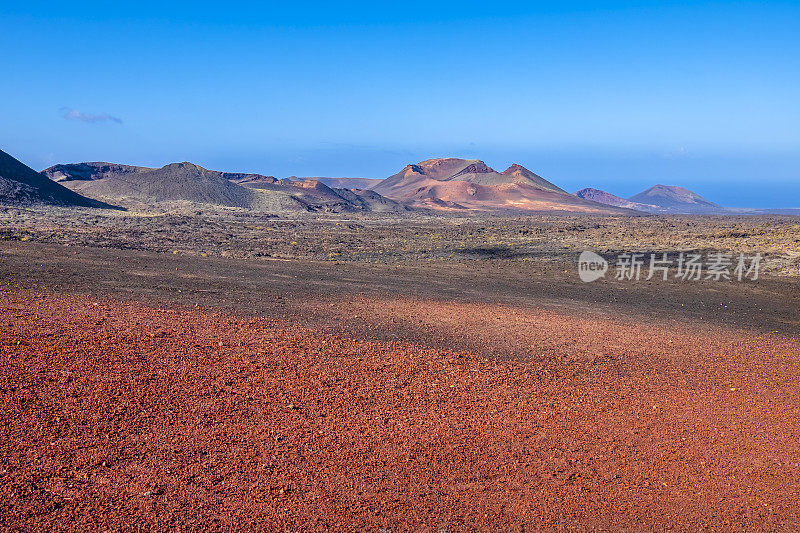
(120, 414)
(407, 236)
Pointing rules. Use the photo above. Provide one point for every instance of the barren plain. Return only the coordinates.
(220, 370)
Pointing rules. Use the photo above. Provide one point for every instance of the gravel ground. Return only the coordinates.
(214, 370)
(127, 417)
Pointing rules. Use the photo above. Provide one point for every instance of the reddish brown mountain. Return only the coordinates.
(460, 184)
(521, 174)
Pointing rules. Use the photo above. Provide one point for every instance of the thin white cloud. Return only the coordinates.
(80, 116)
(677, 153)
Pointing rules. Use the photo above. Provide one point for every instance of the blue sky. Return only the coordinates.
(613, 95)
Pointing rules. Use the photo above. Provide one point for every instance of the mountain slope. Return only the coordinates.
(462, 184)
(315, 196)
(89, 171)
(100, 170)
(174, 182)
(342, 183)
(660, 199)
(521, 174)
(676, 199)
(20, 184)
(186, 182)
(603, 197)
(247, 179)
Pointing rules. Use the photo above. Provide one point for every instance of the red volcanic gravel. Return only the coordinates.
(121, 416)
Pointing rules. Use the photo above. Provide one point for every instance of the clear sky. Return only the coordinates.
(612, 95)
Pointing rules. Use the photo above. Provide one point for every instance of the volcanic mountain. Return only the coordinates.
(603, 197)
(90, 171)
(190, 183)
(177, 182)
(660, 199)
(343, 183)
(676, 199)
(455, 184)
(248, 179)
(99, 170)
(314, 195)
(20, 184)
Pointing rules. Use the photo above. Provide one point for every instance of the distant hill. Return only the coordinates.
(174, 182)
(603, 197)
(90, 171)
(243, 179)
(193, 184)
(21, 185)
(343, 183)
(463, 184)
(314, 195)
(100, 170)
(676, 199)
(371, 200)
(659, 199)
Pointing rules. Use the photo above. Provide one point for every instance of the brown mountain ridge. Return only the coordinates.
(470, 184)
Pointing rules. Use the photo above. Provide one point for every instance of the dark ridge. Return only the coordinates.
(21, 185)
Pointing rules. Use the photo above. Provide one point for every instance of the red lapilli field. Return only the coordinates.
(123, 416)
